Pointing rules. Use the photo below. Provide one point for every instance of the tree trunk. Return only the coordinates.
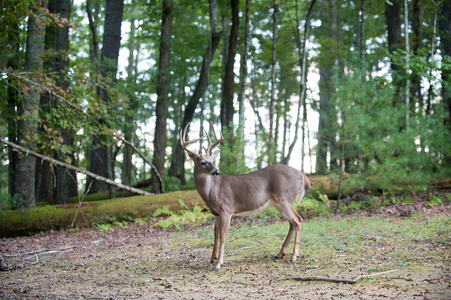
(393, 19)
(326, 158)
(417, 36)
(271, 150)
(178, 157)
(445, 26)
(28, 115)
(65, 180)
(129, 126)
(101, 163)
(243, 65)
(12, 101)
(227, 110)
(162, 94)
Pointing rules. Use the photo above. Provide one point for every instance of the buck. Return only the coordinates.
(246, 195)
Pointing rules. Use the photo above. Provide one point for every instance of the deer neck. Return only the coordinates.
(206, 185)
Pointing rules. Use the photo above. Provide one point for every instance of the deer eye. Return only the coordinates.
(203, 164)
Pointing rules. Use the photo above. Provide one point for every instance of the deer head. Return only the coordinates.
(203, 163)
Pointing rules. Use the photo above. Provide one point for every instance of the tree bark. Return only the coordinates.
(445, 37)
(417, 36)
(162, 94)
(178, 157)
(271, 150)
(327, 113)
(12, 101)
(445, 30)
(243, 64)
(393, 19)
(227, 110)
(28, 113)
(129, 126)
(65, 181)
(101, 154)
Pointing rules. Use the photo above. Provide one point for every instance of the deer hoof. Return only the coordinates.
(215, 269)
(278, 257)
(292, 262)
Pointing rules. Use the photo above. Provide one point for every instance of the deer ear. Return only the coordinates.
(214, 154)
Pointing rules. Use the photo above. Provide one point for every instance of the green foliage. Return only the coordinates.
(7, 202)
(313, 207)
(232, 152)
(377, 142)
(165, 210)
(104, 227)
(435, 201)
(171, 184)
(193, 217)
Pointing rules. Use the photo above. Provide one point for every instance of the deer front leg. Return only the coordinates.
(217, 231)
(224, 221)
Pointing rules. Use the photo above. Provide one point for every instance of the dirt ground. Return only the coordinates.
(146, 262)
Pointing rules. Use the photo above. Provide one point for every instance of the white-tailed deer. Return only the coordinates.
(246, 195)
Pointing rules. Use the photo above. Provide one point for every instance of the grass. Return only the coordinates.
(382, 241)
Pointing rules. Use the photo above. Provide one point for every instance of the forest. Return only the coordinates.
(94, 93)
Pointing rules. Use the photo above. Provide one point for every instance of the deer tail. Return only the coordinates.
(305, 187)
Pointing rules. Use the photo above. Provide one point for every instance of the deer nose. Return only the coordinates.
(216, 172)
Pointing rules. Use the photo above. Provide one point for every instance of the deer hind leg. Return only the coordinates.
(224, 220)
(217, 231)
(295, 221)
(297, 239)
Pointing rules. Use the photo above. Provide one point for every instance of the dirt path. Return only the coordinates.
(145, 262)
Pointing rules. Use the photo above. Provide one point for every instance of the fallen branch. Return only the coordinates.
(70, 167)
(337, 280)
(43, 251)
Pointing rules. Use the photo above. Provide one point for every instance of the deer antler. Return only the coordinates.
(184, 144)
(217, 142)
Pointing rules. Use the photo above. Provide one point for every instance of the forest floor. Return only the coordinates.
(399, 258)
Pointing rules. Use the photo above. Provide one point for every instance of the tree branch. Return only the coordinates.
(337, 280)
(62, 164)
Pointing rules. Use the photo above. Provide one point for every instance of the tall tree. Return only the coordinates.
(243, 64)
(129, 124)
(327, 113)
(28, 112)
(11, 22)
(393, 20)
(272, 102)
(417, 37)
(178, 158)
(227, 110)
(101, 162)
(445, 34)
(162, 94)
(65, 180)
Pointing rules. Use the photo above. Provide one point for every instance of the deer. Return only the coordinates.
(246, 195)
